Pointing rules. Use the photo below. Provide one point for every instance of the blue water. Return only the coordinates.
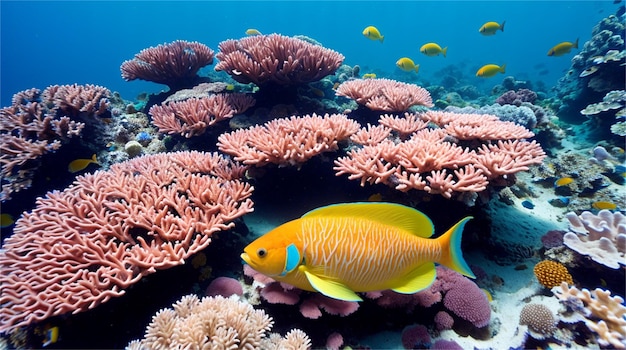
(46, 43)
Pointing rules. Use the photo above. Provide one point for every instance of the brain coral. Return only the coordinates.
(539, 319)
(551, 273)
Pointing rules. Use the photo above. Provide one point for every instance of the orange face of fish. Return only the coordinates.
(269, 254)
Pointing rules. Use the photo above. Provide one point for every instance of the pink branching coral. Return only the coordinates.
(174, 64)
(385, 94)
(436, 160)
(191, 117)
(38, 123)
(277, 59)
(287, 141)
(84, 245)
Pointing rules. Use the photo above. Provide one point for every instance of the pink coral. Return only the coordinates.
(191, 117)
(416, 337)
(443, 320)
(82, 246)
(287, 141)
(276, 59)
(224, 286)
(77, 100)
(436, 160)
(174, 64)
(385, 94)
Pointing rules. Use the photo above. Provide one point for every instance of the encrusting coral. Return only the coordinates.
(551, 273)
(215, 323)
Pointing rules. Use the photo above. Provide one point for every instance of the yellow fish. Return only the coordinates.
(432, 49)
(6, 220)
(369, 76)
(563, 181)
(253, 31)
(600, 205)
(407, 65)
(489, 70)
(490, 28)
(52, 336)
(80, 164)
(373, 33)
(563, 48)
(230, 87)
(342, 249)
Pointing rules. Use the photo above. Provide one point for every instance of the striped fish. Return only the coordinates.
(342, 249)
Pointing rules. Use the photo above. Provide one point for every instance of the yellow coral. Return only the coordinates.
(551, 273)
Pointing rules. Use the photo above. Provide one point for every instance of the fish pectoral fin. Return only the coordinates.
(331, 289)
(418, 279)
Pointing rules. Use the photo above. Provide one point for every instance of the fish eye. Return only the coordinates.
(261, 252)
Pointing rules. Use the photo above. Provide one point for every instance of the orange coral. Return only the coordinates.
(551, 273)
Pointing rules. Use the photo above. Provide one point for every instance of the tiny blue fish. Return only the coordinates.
(528, 204)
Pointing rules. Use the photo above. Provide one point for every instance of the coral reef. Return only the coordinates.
(551, 273)
(113, 227)
(385, 94)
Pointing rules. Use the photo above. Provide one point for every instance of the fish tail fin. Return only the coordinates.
(502, 68)
(417, 68)
(445, 51)
(576, 43)
(382, 38)
(502, 26)
(94, 159)
(452, 256)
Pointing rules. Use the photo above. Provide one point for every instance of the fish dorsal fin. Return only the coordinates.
(406, 218)
(418, 279)
(331, 289)
(292, 259)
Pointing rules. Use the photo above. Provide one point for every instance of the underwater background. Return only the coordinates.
(546, 242)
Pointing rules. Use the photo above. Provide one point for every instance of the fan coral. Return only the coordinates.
(215, 323)
(174, 64)
(602, 237)
(551, 273)
(82, 246)
(277, 59)
(385, 94)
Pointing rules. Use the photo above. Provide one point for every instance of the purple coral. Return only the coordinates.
(516, 98)
(468, 302)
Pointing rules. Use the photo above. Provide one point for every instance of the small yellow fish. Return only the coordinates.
(488, 294)
(52, 336)
(373, 33)
(490, 70)
(253, 31)
(369, 76)
(336, 85)
(6, 220)
(490, 28)
(230, 87)
(432, 49)
(564, 181)
(80, 164)
(342, 249)
(600, 205)
(563, 48)
(407, 65)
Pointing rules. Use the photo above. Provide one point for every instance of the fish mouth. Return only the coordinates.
(245, 257)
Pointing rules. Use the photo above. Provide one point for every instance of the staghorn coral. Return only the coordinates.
(601, 312)
(215, 323)
(276, 59)
(385, 94)
(174, 64)
(84, 245)
(191, 117)
(287, 141)
(551, 273)
(601, 237)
